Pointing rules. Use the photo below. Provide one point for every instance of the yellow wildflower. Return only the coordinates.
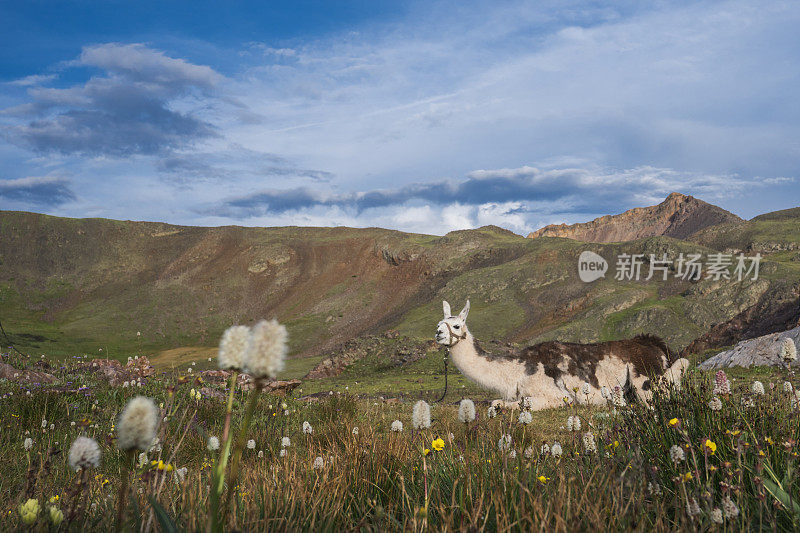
(673, 422)
(54, 499)
(438, 444)
(543, 479)
(688, 476)
(426, 451)
(769, 440)
(711, 445)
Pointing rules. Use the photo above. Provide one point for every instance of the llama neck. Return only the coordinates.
(502, 376)
(466, 358)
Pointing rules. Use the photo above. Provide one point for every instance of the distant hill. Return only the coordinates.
(120, 288)
(778, 215)
(678, 216)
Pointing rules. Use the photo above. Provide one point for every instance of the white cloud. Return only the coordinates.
(588, 109)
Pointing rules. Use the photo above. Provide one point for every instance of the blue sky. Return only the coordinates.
(417, 116)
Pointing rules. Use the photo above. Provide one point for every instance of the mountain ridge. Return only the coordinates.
(678, 216)
(70, 286)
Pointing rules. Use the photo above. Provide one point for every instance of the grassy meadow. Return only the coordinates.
(736, 468)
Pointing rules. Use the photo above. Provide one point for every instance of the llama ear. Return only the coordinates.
(446, 307)
(464, 312)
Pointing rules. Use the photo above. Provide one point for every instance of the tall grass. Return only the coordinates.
(378, 480)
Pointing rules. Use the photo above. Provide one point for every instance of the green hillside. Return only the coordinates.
(70, 286)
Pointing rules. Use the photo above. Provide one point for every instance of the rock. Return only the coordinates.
(761, 351)
(208, 392)
(677, 216)
(215, 376)
(14, 374)
(109, 370)
(282, 387)
(140, 366)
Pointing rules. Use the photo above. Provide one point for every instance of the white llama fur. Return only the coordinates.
(508, 375)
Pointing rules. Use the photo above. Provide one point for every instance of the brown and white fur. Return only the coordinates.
(548, 372)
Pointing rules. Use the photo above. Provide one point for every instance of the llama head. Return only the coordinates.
(452, 329)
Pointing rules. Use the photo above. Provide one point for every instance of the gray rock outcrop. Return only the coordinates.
(761, 351)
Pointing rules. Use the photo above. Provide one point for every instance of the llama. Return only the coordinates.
(548, 372)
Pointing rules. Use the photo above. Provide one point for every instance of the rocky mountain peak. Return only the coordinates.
(678, 216)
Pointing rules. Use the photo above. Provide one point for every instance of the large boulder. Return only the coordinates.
(761, 351)
(30, 376)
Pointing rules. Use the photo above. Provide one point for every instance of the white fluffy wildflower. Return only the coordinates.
(307, 429)
(574, 423)
(556, 450)
(180, 475)
(251, 444)
(605, 392)
(545, 449)
(676, 454)
(397, 426)
(757, 388)
(585, 388)
(266, 349)
(618, 397)
(27, 444)
(491, 412)
(529, 452)
(212, 444)
(653, 488)
(137, 424)
(285, 442)
(84, 453)
(232, 347)
(512, 454)
(355, 430)
(527, 403)
(525, 417)
(715, 404)
(788, 351)
(722, 384)
(142, 461)
(44, 424)
(692, 507)
(319, 463)
(466, 411)
(504, 443)
(729, 508)
(716, 516)
(421, 415)
(589, 444)
(283, 452)
(787, 387)
(260, 454)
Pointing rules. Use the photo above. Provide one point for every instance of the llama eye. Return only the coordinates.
(456, 326)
